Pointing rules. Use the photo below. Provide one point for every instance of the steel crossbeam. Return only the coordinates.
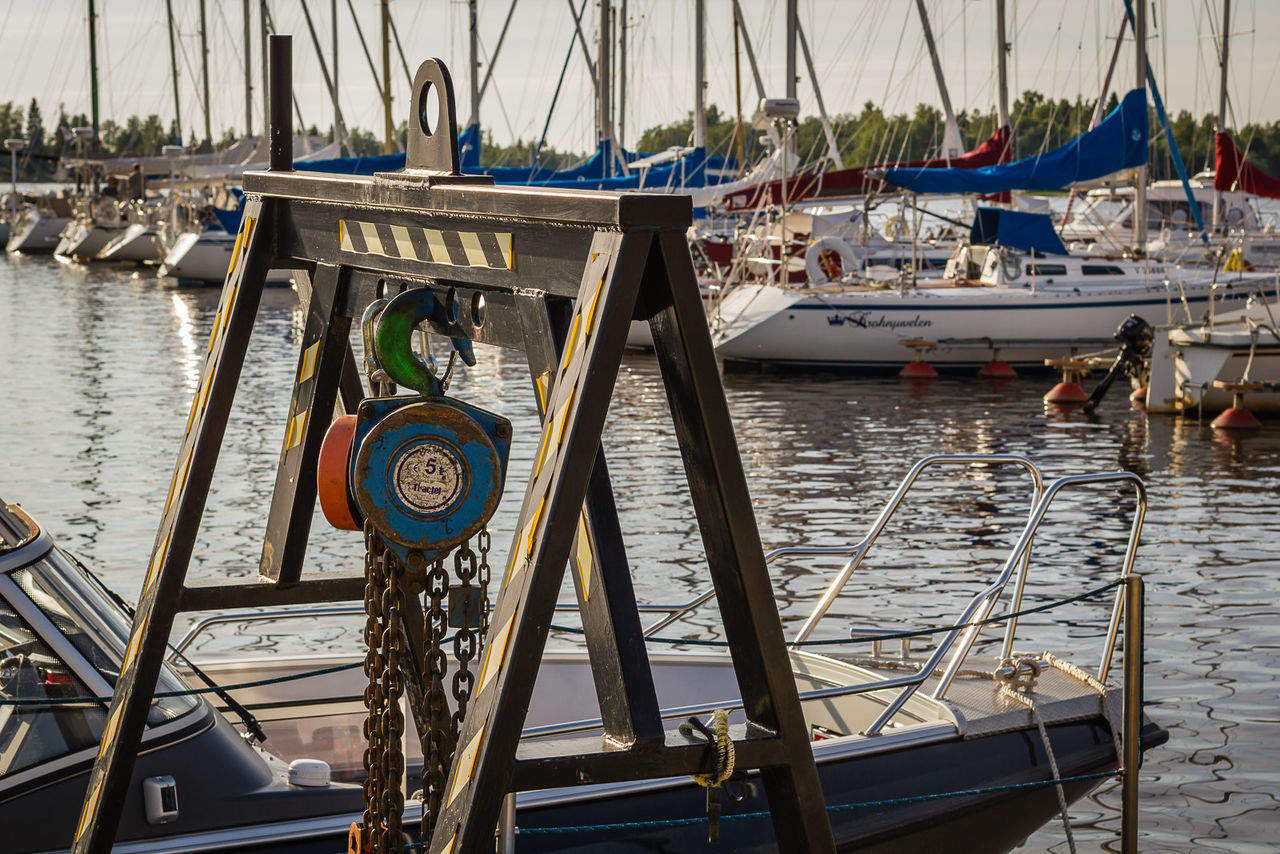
(561, 275)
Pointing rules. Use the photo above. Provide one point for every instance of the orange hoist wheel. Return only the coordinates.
(332, 475)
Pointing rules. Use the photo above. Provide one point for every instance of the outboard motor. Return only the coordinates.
(1135, 336)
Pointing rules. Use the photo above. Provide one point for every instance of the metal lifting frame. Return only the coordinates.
(562, 274)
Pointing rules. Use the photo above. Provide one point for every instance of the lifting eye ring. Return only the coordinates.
(428, 108)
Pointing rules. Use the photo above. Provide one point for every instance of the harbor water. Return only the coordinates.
(100, 364)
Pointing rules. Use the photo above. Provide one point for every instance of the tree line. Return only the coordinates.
(870, 136)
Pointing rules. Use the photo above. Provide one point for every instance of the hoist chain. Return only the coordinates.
(393, 649)
(460, 604)
(464, 617)
(373, 692)
(439, 737)
(384, 723)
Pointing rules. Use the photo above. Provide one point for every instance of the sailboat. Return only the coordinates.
(1013, 293)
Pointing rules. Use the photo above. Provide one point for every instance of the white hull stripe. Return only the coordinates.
(492, 250)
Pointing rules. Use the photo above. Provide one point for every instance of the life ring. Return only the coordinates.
(895, 228)
(828, 259)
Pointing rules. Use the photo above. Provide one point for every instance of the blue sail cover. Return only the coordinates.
(1016, 230)
(1117, 142)
(695, 169)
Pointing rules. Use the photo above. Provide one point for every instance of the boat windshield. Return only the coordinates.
(38, 720)
(83, 610)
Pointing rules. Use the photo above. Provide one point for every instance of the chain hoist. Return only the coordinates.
(420, 475)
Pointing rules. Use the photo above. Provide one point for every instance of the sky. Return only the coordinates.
(863, 51)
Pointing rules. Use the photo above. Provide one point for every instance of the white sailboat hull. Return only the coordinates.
(84, 240)
(138, 243)
(205, 257)
(39, 231)
(865, 327)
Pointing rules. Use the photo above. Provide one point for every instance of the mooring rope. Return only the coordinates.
(1008, 690)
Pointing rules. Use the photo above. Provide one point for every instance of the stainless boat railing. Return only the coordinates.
(273, 615)
(961, 639)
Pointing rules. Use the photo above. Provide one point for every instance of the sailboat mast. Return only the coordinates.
(700, 74)
(833, 150)
(173, 69)
(951, 144)
(339, 126)
(474, 119)
(388, 145)
(1222, 100)
(622, 74)
(1002, 68)
(248, 71)
(603, 76)
(263, 17)
(1140, 180)
(333, 11)
(204, 72)
(751, 60)
(93, 69)
(737, 91)
(792, 18)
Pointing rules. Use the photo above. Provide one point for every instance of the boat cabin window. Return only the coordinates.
(82, 609)
(1101, 270)
(1046, 269)
(37, 723)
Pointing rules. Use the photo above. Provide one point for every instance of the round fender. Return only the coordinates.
(331, 476)
(828, 259)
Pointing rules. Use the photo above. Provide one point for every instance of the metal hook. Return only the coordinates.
(380, 384)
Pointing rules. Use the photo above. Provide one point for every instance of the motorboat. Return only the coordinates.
(916, 746)
(1012, 292)
(1207, 367)
(38, 228)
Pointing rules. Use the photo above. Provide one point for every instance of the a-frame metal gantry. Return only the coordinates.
(562, 274)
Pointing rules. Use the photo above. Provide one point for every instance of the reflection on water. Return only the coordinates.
(100, 364)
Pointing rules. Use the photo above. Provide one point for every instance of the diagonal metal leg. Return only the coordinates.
(734, 554)
(325, 345)
(484, 760)
(601, 574)
(109, 782)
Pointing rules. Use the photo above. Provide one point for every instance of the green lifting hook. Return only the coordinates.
(393, 340)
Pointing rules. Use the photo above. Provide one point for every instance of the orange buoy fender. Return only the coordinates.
(332, 470)
(1236, 419)
(1066, 393)
(918, 370)
(998, 370)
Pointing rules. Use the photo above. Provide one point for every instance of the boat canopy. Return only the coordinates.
(856, 181)
(1117, 142)
(1017, 230)
(1233, 172)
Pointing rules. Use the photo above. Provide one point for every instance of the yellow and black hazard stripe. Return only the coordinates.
(493, 250)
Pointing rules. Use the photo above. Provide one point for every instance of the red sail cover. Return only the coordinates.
(1232, 172)
(854, 182)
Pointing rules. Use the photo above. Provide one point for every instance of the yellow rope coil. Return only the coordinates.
(724, 758)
